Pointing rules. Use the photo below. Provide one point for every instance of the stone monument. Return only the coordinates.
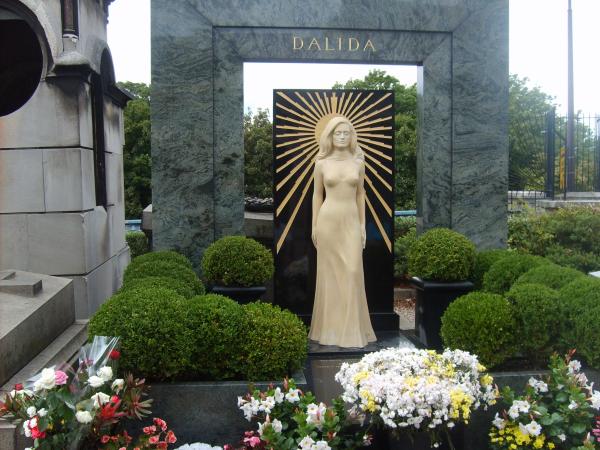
(198, 51)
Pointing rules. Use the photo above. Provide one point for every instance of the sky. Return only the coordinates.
(538, 51)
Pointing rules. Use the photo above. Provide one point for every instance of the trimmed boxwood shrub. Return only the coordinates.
(275, 344)
(538, 314)
(218, 324)
(576, 299)
(402, 247)
(181, 287)
(403, 224)
(504, 272)
(165, 255)
(441, 254)
(483, 324)
(167, 269)
(586, 334)
(551, 275)
(483, 262)
(151, 323)
(137, 242)
(237, 261)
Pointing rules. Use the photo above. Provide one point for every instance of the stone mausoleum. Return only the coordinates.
(61, 139)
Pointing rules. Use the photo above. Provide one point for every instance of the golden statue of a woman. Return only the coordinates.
(340, 312)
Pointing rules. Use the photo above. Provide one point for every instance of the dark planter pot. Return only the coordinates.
(207, 411)
(432, 300)
(240, 294)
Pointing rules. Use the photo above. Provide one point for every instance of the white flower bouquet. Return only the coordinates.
(410, 390)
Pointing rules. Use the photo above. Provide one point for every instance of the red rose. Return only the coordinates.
(18, 387)
(104, 439)
(114, 354)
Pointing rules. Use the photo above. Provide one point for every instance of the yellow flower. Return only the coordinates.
(486, 380)
(360, 376)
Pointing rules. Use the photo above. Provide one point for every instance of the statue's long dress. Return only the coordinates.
(340, 312)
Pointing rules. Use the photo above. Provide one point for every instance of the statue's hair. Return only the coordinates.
(326, 141)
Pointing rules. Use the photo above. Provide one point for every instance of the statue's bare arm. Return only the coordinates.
(317, 199)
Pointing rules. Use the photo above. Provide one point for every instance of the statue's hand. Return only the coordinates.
(363, 237)
(314, 237)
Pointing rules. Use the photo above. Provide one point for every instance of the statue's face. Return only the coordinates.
(341, 135)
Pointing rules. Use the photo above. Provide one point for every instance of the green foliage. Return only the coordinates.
(576, 299)
(155, 341)
(483, 262)
(443, 255)
(137, 161)
(275, 344)
(166, 269)
(405, 138)
(219, 330)
(482, 324)
(586, 334)
(538, 314)
(179, 286)
(568, 236)
(258, 154)
(402, 246)
(137, 242)
(403, 225)
(237, 261)
(575, 259)
(504, 272)
(551, 275)
(164, 256)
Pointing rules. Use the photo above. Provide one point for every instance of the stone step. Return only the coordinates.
(64, 348)
(30, 318)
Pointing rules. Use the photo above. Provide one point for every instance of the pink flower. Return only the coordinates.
(149, 430)
(170, 438)
(153, 439)
(60, 377)
(160, 423)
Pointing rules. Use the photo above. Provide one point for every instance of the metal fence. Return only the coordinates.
(539, 167)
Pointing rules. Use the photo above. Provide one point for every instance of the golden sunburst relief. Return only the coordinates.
(300, 117)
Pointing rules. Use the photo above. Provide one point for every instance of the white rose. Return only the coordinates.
(562, 437)
(26, 429)
(595, 399)
(31, 411)
(278, 395)
(100, 399)
(499, 422)
(105, 373)
(42, 412)
(46, 381)
(95, 381)
(321, 445)
(118, 384)
(83, 416)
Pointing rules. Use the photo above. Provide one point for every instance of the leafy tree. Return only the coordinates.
(258, 154)
(137, 162)
(405, 139)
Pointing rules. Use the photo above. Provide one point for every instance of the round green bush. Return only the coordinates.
(538, 314)
(166, 269)
(275, 344)
(443, 255)
(586, 333)
(179, 286)
(137, 242)
(166, 255)
(571, 257)
(219, 327)
(576, 299)
(483, 262)
(504, 272)
(402, 247)
(155, 341)
(237, 261)
(551, 275)
(483, 324)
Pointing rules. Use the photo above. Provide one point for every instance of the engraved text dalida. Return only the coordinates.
(326, 44)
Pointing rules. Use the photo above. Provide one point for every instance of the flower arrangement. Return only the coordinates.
(555, 412)
(155, 436)
(410, 390)
(64, 408)
(289, 419)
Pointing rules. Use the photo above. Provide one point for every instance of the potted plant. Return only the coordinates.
(238, 267)
(441, 262)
